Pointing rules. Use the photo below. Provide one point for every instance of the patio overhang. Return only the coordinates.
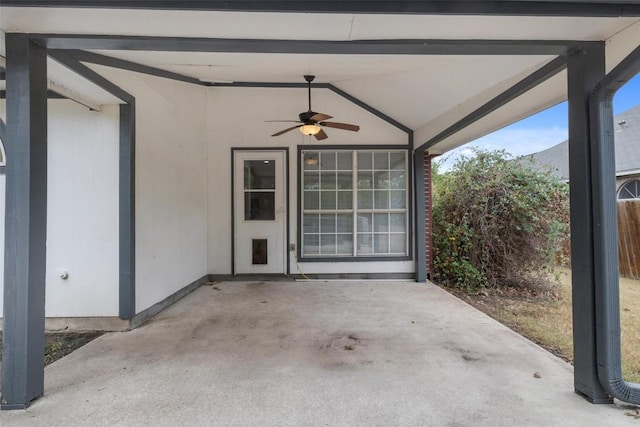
(448, 72)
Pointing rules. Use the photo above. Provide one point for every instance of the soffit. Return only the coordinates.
(426, 93)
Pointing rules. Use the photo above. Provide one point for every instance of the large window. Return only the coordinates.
(354, 203)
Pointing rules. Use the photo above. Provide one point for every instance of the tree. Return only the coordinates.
(497, 222)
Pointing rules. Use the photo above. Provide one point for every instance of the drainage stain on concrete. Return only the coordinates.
(342, 341)
(466, 354)
(344, 351)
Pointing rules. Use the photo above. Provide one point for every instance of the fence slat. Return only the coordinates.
(629, 238)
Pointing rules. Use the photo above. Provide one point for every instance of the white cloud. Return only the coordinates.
(515, 141)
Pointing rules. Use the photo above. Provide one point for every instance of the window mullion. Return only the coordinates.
(354, 199)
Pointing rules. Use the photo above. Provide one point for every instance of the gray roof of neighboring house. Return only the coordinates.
(627, 140)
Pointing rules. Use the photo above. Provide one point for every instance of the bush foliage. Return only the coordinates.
(497, 222)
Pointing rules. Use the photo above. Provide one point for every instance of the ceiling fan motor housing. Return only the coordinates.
(311, 122)
(306, 116)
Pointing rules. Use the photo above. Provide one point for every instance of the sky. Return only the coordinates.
(540, 131)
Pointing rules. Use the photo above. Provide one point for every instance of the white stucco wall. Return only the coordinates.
(184, 136)
(82, 211)
(236, 119)
(171, 183)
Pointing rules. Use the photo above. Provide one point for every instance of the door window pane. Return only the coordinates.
(259, 206)
(259, 174)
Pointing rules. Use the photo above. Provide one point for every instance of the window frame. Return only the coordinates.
(622, 187)
(3, 154)
(410, 205)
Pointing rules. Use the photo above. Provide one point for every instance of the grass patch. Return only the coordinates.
(544, 316)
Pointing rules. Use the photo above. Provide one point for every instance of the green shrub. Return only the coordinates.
(497, 222)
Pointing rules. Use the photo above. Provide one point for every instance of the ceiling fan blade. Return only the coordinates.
(286, 130)
(320, 116)
(343, 126)
(321, 135)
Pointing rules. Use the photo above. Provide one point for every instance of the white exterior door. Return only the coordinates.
(260, 212)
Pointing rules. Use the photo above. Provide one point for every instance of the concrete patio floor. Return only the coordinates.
(314, 354)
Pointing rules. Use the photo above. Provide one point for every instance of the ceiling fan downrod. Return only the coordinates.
(309, 79)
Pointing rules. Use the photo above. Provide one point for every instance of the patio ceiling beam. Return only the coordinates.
(542, 74)
(601, 8)
(109, 61)
(328, 47)
(332, 88)
(50, 95)
(74, 65)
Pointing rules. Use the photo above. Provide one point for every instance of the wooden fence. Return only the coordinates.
(629, 238)
(628, 241)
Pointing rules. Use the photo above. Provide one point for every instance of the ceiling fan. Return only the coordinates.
(311, 123)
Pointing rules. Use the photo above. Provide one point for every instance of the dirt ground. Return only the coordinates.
(545, 316)
(60, 344)
(510, 305)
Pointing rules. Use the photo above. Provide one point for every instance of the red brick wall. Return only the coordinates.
(428, 217)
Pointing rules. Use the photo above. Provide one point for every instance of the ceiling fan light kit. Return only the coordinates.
(311, 123)
(310, 129)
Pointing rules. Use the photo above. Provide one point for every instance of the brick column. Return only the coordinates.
(428, 217)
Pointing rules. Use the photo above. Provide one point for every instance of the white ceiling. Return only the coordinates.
(426, 93)
(407, 87)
